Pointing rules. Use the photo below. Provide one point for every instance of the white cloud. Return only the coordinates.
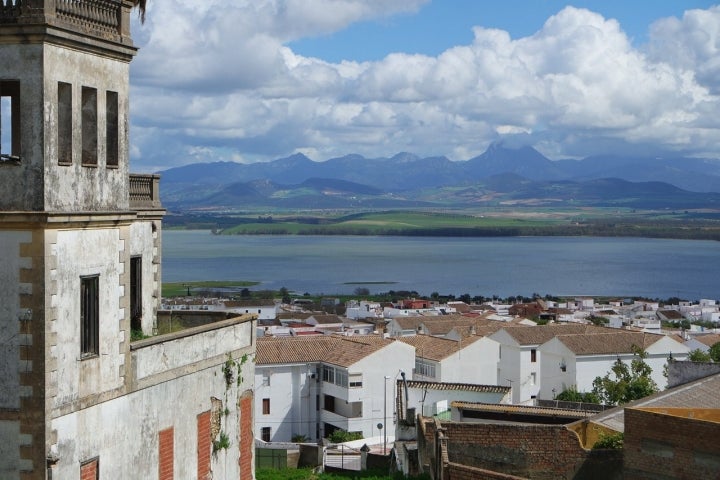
(216, 80)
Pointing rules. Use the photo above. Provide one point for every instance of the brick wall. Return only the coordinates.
(204, 445)
(89, 470)
(535, 451)
(455, 471)
(247, 440)
(166, 454)
(661, 445)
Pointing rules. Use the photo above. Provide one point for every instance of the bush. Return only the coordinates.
(341, 436)
(610, 440)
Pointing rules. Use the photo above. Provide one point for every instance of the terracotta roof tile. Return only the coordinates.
(341, 351)
(608, 343)
(542, 333)
(437, 348)
(709, 339)
(465, 387)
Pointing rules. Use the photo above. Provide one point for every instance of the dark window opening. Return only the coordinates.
(329, 403)
(89, 126)
(89, 316)
(266, 406)
(111, 129)
(265, 434)
(64, 123)
(533, 355)
(136, 293)
(9, 120)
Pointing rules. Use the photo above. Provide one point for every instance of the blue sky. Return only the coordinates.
(440, 25)
(257, 80)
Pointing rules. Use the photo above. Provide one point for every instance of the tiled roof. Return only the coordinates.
(521, 409)
(249, 303)
(709, 339)
(542, 333)
(620, 341)
(437, 348)
(409, 323)
(341, 351)
(699, 394)
(670, 314)
(465, 387)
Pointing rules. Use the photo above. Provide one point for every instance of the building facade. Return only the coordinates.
(80, 272)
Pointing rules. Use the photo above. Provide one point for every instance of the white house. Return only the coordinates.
(519, 359)
(470, 360)
(575, 360)
(309, 387)
(264, 309)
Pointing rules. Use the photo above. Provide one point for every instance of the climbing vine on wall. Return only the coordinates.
(232, 374)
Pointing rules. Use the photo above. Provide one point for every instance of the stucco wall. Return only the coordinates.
(131, 451)
(78, 253)
(76, 187)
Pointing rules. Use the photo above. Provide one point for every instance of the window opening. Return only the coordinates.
(89, 126)
(266, 406)
(10, 121)
(111, 129)
(89, 316)
(64, 123)
(265, 434)
(136, 293)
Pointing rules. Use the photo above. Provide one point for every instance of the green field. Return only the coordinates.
(179, 289)
(546, 222)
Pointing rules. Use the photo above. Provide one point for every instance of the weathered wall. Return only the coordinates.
(22, 184)
(76, 187)
(680, 373)
(141, 243)
(535, 451)
(75, 253)
(659, 445)
(132, 450)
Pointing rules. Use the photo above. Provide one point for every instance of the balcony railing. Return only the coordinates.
(102, 18)
(144, 191)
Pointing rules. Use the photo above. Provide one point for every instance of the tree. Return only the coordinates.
(698, 355)
(625, 383)
(572, 395)
(362, 291)
(715, 352)
(141, 5)
(285, 294)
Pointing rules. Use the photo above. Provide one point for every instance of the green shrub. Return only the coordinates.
(610, 440)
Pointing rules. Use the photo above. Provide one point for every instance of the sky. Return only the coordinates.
(257, 80)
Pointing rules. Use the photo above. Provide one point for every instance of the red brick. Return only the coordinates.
(166, 454)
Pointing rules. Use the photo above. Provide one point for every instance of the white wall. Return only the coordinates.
(476, 364)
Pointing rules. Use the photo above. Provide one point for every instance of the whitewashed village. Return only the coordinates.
(101, 378)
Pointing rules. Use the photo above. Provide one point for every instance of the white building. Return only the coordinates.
(472, 360)
(519, 360)
(575, 360)
(309, 387)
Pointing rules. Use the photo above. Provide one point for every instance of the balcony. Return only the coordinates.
(145, 191)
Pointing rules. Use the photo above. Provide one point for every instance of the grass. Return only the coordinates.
(179, 289)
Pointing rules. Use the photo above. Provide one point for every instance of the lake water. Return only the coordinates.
(654, 268)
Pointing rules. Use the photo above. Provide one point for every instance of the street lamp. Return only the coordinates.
(385, 413)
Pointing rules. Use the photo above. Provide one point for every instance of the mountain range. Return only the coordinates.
(499, 176)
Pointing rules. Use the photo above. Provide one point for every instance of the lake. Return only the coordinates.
(654, 268)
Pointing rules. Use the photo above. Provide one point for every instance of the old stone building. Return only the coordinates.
(80, 239)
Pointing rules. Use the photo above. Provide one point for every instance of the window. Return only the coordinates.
(424, 368)
(64, 123)
(166, 451)
(89, 316)
(111, 129)
(136, 293)
(89, 126)
(9, 120)
(328, 374)
(265, 434)
(355, 380)
(533, 355)
(533, 378)
(341, 378)
(266, 406)
(266, 379)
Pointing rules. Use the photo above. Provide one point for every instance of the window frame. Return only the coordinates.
(89, 316)
(266, 406)
(11, 89)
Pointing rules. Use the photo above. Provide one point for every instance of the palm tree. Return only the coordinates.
(141, 4)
